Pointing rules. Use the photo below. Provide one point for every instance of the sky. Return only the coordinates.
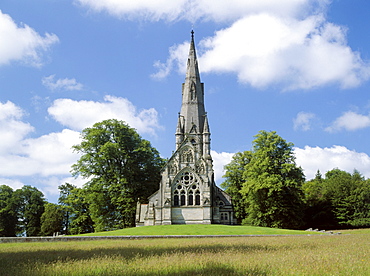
(297, 67)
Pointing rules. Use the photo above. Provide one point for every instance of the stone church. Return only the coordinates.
(188, 193)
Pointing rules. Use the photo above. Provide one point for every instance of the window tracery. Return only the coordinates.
(186, 190)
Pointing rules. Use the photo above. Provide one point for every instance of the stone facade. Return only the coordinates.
(188, 193)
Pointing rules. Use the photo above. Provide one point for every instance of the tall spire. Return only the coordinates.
(192, 108)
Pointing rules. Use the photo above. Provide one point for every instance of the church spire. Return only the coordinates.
(192, 108)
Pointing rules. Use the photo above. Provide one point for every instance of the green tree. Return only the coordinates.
(29, 205)
(8, 218)
(234, 181)
(122, 167)
(77, 219)
(318, 208)
(349, 195)
(52, 219)
(273, 186)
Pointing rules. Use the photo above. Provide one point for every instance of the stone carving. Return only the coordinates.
(172, 168)
(187, 156)
(199, 168)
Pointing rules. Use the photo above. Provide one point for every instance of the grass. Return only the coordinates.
(198, 229)
(286, 255)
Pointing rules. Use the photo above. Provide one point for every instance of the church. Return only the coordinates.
(188, 193)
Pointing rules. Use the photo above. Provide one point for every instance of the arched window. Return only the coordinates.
(190, 201)
(186, 189)
(197, 198)
(182, 198)
(176, 198)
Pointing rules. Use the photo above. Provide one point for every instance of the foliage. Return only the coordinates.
(340, 199)
(52, 219)
(29, 206)
(8, 218)
(234, 181)
(77, 219)
(122, 168)
(318, 209)
(273, 186)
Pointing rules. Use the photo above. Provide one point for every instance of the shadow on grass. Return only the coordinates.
(18, 263)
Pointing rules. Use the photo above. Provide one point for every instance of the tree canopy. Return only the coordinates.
(121, 168)
(8, 216)
(234, 180)
(29, 204)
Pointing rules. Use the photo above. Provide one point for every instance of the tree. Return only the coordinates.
(52, 219)
(318, 208)
(349, 196)
(8, 218)
(122, 167)
(29, 206)
(273, 186)
(77, 219)
(234, 181)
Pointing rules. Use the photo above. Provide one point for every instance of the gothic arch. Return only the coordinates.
(186, 189)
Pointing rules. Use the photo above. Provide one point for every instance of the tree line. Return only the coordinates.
(120, 168)
(269, 189)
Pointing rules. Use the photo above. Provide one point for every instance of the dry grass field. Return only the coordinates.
(346, 254)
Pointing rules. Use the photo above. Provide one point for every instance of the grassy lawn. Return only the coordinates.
(199, 229)
(284, 255)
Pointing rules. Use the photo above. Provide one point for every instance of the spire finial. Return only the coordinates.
(192, 34)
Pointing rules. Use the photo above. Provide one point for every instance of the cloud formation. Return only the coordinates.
(350, 121)
(78, 115)
(22, 43)
(61, 84)
(220, 159)
(303, 121)
(312, 159)
(263, 42)
(49, 157)
(12, 128)
(264, 50)
(193, 10)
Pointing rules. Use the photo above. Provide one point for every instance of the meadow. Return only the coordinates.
(346, 254)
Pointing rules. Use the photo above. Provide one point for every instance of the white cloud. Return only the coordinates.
(303, 121)
(78, 115)
(47, 159)
(61, 84)
(193, 10)
(219, 161)
(288, 43)
(45, 156)
(312, 159)
(22, 43)
(176, 58)
(349, 121)
(12, 183)
(50, 184)
(264, 50)
(12, 129)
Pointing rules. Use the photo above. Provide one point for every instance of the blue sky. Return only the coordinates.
(298, 67)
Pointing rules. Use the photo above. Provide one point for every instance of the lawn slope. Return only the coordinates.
(198, 229)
